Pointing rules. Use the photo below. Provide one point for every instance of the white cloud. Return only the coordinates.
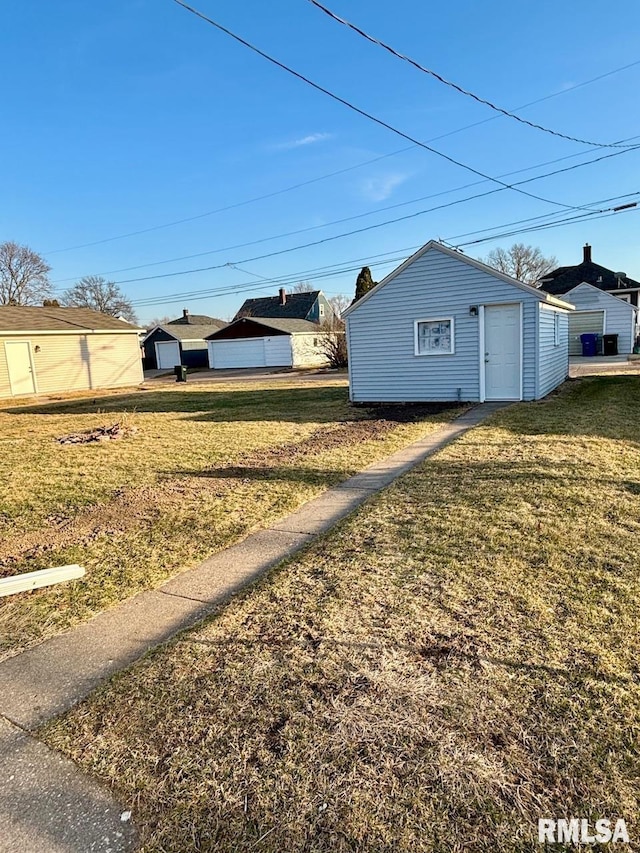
(310, 139)
(381, 187)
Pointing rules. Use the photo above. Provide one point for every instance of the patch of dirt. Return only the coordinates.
(129, 508)
(104, 433)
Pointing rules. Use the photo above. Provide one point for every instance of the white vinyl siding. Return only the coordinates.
(619, 316)
(79, 362)
(381, 333)
(308, 350)
(553, 337)
(251, 352)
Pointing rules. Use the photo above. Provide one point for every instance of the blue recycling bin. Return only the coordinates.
(589, 344)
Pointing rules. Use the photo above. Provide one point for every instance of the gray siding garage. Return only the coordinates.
(599, 312)
(445, 327)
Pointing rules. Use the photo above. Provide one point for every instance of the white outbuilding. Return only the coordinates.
(267, 342)
(601, 313)
(445, 327)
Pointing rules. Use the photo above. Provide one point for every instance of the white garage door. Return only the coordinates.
(167, 354)
(248, 352)
(583, 322)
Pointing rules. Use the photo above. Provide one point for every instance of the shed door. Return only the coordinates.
(503, 352)
(248, 352)
(582, 323)
(167, 354)
(21, 373)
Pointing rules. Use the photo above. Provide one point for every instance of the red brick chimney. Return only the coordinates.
(283, 296)
(185, 313)
(586, 254)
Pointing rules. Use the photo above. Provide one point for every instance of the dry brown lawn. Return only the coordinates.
(456, 660)
(206, 465)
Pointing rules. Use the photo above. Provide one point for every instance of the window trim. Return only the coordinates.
(321, 309)
(416, 323)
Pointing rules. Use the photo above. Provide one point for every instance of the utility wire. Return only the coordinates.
(347, 169)
(250, 287)
(455, 86)
(366, 228)
(315, 273)
(380, 122)
(369, 213)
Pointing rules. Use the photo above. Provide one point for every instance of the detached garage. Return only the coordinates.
(45, 350)
(262, 342)
(601, 313)
(445, 327)
(180, 341)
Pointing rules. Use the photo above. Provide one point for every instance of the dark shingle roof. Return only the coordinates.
(191, 332)
(290, 327)
(195, 320)
(22, 318)
(296, 307)
(563, 279)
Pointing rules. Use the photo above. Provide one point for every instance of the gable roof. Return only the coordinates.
(433, 245)
(188, 331)
(28, 318)
(296, 307)
(601, 293)
(195, 320)
(564, 279)
(289, 327)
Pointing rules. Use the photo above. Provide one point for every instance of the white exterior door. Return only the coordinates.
(21, 371)
(502, 357)
(248, 352)
(167, 354)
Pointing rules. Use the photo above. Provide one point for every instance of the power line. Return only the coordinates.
(347, 169)
(374, 226)
(380, 122)
(331, 270)
(455, 86)
(362, 215)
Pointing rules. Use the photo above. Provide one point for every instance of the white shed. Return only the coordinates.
(267, 342)
(601, 313)
(445, 327)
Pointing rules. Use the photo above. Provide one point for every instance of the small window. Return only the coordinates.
(556, 329)
(434, 337)
(316, 342)
(321, 310)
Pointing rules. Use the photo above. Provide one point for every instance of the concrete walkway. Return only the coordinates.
(48, 679)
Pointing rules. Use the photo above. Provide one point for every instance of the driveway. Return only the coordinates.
(597, 365)
(245, 374)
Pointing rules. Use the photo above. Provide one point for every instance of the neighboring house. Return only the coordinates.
(601, 313)
(564, 279)
(267, 342)
(180, 341)
(312, 306)
(46, 350)
(445, 327)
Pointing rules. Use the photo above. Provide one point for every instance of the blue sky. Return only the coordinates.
(129, 114)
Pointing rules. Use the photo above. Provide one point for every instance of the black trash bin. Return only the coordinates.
(180, 371)
(609, 345)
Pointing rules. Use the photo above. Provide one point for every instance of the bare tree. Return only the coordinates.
(525, 263)
(96, 292)
(24, 275)
(339, 303)
(303, 287)
(333, 343)
(158, 321)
